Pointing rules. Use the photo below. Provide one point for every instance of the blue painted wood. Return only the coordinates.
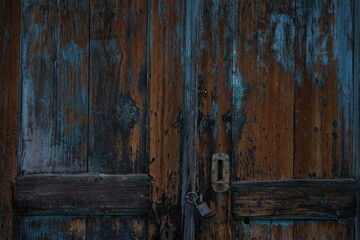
(54, 72)
(356, 121)
(52, 228)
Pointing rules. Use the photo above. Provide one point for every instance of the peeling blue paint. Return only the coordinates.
(343, 41)
(72, 54)
(239, 89)
(283, 43)
(283, 223)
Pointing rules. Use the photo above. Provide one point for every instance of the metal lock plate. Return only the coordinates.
(220, 172)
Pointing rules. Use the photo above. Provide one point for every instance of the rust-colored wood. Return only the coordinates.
(342, 229)
(324, 83)
(294, 199)
(263, 95)
(165, 116)
(118, 86)
(9, 70)
(323, 98)
(264, 90)
(54, 73)
(214, 131)
(83, 194)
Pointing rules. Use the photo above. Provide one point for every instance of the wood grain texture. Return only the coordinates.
(166, 109)
(216, 37)
(52, 227)
(342, 230)
(356, 122)
(323, 93)
(323, 97)
(189, 158)
(116, 228)
(295, 199)
(83, 194)
(263, 90)
(263, 95)
(9, 102)
(118, 86)
(54, 72)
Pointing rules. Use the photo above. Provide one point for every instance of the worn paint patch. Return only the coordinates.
(239, 89)
(283, 40)
(72, 54)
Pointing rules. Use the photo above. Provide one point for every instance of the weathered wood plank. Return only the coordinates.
(263, 92)
(215, 45)
(118, 86)
(166, 109)
(83, 194)
(54, 58)
(324, 83)
(295, 199)
(122, 227)
(52, 227)
(356, 131)
(189, 159)
(264, 229)
(9, 88)
(340, 230)
(323, 97)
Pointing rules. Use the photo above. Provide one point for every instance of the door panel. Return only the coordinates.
(118, 86)
(54, 71)
(84, 112)
(123, 104)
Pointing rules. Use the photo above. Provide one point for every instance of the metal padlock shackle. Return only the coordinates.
(193, 199)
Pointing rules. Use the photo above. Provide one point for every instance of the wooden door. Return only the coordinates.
(118, 106)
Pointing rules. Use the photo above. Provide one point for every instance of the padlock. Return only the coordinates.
(202, 207)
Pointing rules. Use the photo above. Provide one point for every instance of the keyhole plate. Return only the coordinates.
(220, 171)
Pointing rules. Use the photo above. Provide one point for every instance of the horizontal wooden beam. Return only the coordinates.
(83, 194)
(294, 199)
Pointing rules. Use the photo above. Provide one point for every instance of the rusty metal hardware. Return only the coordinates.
(220, 172)
(197, 200)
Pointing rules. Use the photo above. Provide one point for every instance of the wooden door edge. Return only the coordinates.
(356, 123)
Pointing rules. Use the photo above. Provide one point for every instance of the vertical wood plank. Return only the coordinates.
(9, 88)
(118, 86)
(323, 101)
(263, 90)
(189, 161)
(215, 45)
(166, 112)
(263, 98)
(356, 132)
(324, 83)
(116, 228)
(54, 56)
(52, 227)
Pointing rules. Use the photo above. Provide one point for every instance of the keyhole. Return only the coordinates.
(220, 170)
